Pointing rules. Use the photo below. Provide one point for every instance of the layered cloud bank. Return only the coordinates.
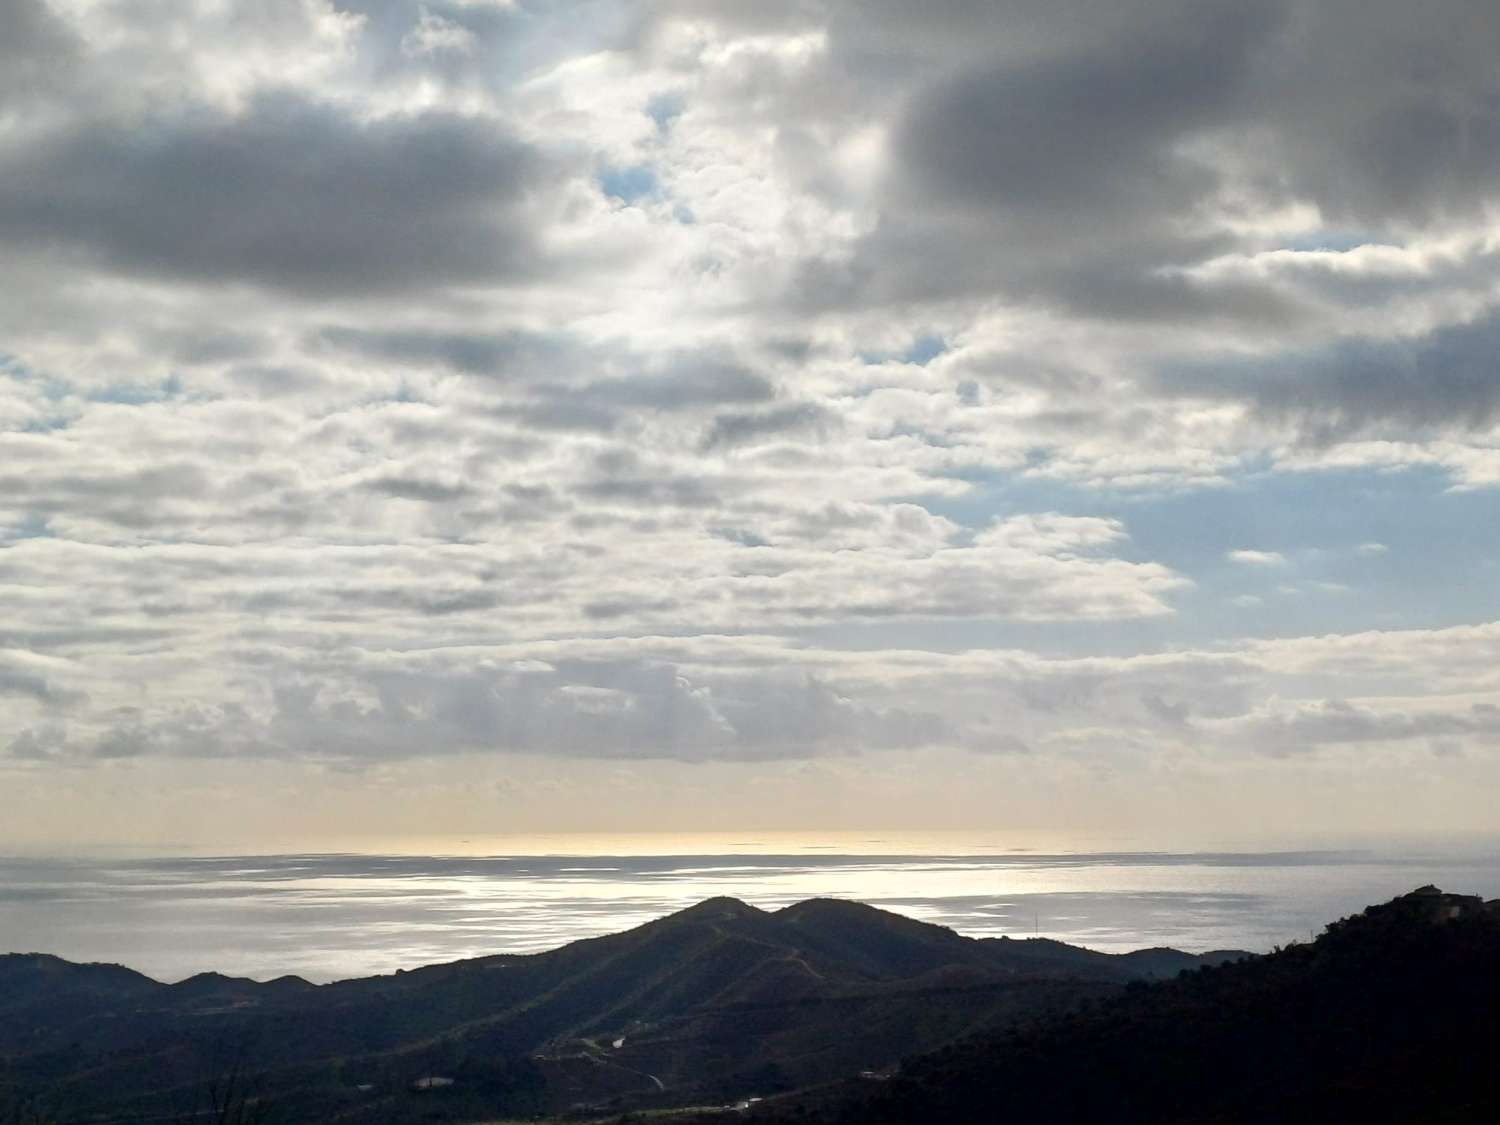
(1091, 389)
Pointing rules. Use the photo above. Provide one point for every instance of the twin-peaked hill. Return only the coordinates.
(718, 1001)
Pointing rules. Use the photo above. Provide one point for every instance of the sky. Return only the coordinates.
(488, 416)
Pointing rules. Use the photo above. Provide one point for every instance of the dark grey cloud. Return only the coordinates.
(289, 194)
(602, 405)
(1089, 138)
(683, 382)
(129, 740)
(652, 488)
(206, 344)
(613, 610)
(38, 744)
(418, 488)
(898, 34)
(1065, 105)
(1384, 113)
(15, 681)
(36, 53)
(565, 412)
(1082, 157)
(271, 380)
(1338, 722)
(1446, 379)
(36, 50)
(512, 354)
(1065, 176)
(1374, 110)
(735, 428)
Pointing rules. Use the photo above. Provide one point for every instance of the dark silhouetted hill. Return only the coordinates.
(717, 1002)
(1392, 1016)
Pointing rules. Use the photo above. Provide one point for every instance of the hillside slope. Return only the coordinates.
(1390, 1016)
(721, 1000)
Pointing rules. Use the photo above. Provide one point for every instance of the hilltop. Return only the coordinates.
(721, 1001)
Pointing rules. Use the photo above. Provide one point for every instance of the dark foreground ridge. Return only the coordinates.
(1391, 1016)
(716, 1004)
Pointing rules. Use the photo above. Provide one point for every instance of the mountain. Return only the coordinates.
(1391, 1016)
(718, 1002)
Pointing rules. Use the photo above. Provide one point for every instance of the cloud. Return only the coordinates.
(1029, 139)
(759, 697)
(1257, 558)
(1394, 127)
(616, 708)
(288, 194)
(358, 403)
(435, 34)
(1335, 722)
(414, 488)
(1431, 383)
(14, 681)
(1134, 176)
(37, 53)
(737, 428)
(682, 384)
(475, 353)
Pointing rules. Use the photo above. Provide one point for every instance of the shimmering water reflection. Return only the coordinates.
(330, 916)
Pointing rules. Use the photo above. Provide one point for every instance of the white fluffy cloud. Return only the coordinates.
(1250, 557)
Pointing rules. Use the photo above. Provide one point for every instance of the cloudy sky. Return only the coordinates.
(503, 415)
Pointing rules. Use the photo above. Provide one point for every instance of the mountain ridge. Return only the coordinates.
(721, 907)
(720, 999)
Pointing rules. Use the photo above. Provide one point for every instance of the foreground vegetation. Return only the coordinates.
(1393, 1015)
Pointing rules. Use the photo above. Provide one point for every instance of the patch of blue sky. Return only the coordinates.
(513, 40)
(920, 352)
(665, 108)
(139, 394)
(741, 536)
(51, 389)
(33, 525)
(1441, 558)
(404, 393)
(924, 349)
(630, 184)
(48, 424)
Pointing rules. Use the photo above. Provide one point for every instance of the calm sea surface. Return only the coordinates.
(327, 916)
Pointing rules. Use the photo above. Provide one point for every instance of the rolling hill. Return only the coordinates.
(718, 1002)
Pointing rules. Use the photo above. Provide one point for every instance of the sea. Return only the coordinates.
(331, 914)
